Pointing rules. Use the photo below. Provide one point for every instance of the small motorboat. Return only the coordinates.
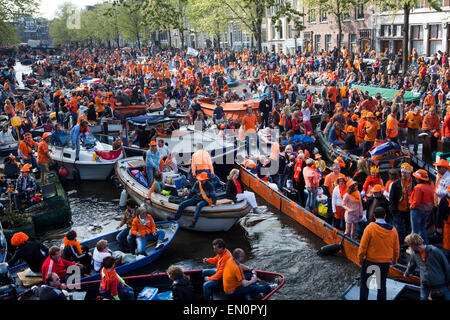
(133, 262)
(221, 217)
(395, 290)
(96, 159)
(234, 109)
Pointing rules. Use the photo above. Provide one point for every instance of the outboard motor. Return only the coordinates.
(7, 287)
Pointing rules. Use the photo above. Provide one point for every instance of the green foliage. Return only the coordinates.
(209, 17)
(10, 11)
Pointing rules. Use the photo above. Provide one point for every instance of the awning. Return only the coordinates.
(389, 94)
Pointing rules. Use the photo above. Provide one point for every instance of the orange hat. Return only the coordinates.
(442, 163)
(341, 176)
(351, 182)
(374, 169)
(26, 167)
(350, 129)
(317, 156)
(406, 167)
(378, 113)
(46, 134)
(28, 135)
(354, 117)
(346, 114)
(202, 176)
(421, 174)
(369, 115)
(18, 238)
(378, 188)
(152, 143)
(339, 161)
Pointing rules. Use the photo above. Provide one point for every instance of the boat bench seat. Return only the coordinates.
(29, 281)
(223, 202)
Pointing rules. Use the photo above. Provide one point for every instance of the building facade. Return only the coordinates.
(28, 28)
(428, 29)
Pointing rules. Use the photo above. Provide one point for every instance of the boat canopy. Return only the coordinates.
(151, 120)
(389, 94)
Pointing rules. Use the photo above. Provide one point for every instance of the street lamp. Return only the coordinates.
(297, 34)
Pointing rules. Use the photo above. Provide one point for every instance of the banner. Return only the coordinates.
(192, 52)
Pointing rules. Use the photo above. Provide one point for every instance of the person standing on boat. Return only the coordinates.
(312, 179)
(152, 161)
(213, 277)
(78, 135)
(202, 194)
(250, 122)
(201, 162)
(421, 203)
(443, 180)
(218, 113)
(265, 107)
(26, 187)
(43, 158)
(434, 267)
(379, 247)
(235, 192)
(162, 149)
(144, 228)
(25, 150)
(370, 132)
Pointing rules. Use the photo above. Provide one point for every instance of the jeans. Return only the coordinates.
(190, 202)
(425, 292)
(402, 222)
(258, 287)
(124, 293)
(264, 120)
(127, 241)
(411, 139)
(419, 219)
(311, 200)
(208, 286)
(74, 118)
(364, 290)
(247, 141)
(142, 241)
(150, 172)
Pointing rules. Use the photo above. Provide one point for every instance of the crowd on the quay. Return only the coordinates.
(293, 89)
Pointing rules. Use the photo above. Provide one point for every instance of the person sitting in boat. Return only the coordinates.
(162, 148)
(218, 113)
(55, 263)
(52, 290)
(112, 285)
(126, 239)
(144, 228)
(157, 186)
(25, 150)
(202, 194)
(31, 251)
(240, 280)
(26, 187)
(235, 192)
(182, 289)
(152, 161)
(58, 137)
(213, 277)
(78, 135)
(100, 252)
(74, 252)
(350, 142)
(6, 136)
(201, 162)
(169, 164)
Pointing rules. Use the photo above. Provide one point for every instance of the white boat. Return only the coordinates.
(221, 217)
(96, 159)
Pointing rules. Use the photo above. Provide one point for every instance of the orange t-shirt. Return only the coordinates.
(330, 181)
(42, 152)
(232, 276)
(249, 123)
(414, 121)
(334, 93)
(371, 130)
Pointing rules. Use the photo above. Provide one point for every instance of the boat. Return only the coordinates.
(52, 213)
(221, 217)
(325, 231)
(233, 109)
(8, 149)
(3, 245)
(232, 83)
(96, 159)
(158, 286)
(105, 126)
(395, 290)
(170, 228)
(123, 112)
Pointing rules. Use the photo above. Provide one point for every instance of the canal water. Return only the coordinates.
(272, 242)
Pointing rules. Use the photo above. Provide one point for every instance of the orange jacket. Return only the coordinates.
(201, 160)
(43, 152)
(422, 193)
(431, 122)
(220, 260)
(414, 120)
(137, 226)
(379, 244)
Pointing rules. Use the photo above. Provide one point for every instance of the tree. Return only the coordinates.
(209, 17)
(61, 30)
(406, 6)
(131, 20)
(252, 12)
(335, 7)
(10, 11)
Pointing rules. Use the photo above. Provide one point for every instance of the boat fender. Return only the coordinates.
(329, 249)
(63, 172)
(76, 175)
(123, 198)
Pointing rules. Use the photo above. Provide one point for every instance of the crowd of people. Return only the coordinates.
(293, 88)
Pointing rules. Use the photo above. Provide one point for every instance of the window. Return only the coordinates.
(353, 43)
(312, 15)
(289, 31)
(323, 16)
(359, 12)
(435, 38)
(317, 40)
(280, 25)
(342, 40)
(328, 42)
(346, 16)
(419, 4)
(274, 33)
(417, 38)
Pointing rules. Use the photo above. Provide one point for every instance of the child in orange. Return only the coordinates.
(371, 180)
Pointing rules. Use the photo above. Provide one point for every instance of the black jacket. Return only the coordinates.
(265, 106)
(396, 194)
(31, 253)
(231, 189)
(209, 191)
(182, 290)
(443, 210)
